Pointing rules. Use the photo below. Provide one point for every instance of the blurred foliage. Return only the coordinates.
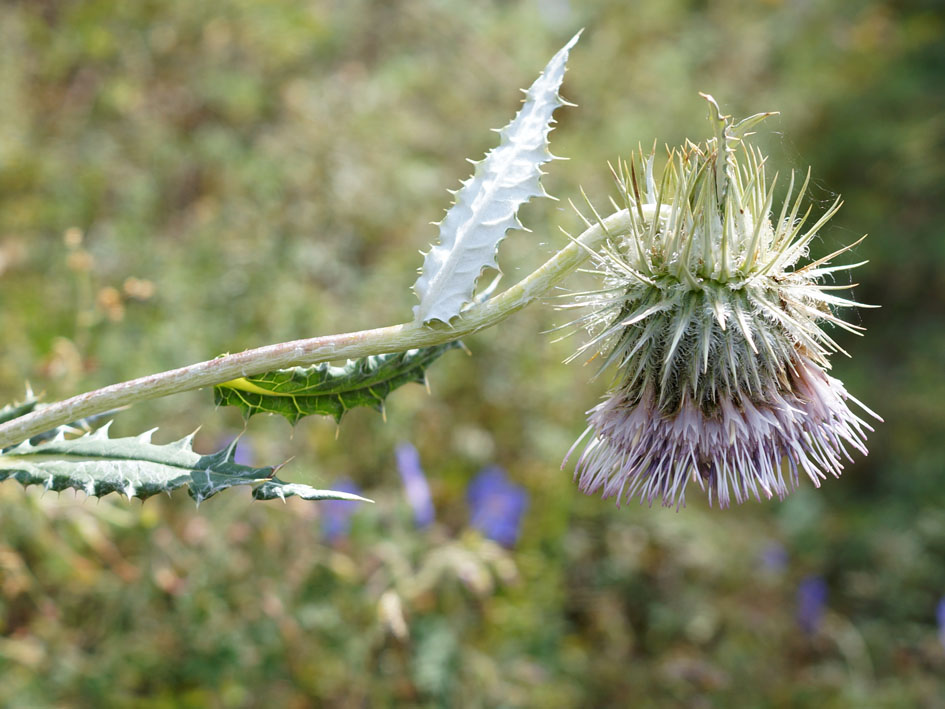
(179, 180)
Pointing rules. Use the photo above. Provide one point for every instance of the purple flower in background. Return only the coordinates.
(497, 505)
(774, 558)
(336, 514)
(811, 598)
(940, 617)
(415, 484)
(244, 449)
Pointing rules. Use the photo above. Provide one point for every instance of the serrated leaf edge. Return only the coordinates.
(203, 475)
(487, 205)
(335, 382)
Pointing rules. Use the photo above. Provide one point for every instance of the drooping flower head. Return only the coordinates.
(716, 331)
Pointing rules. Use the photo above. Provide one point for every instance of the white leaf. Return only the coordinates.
(487, 205)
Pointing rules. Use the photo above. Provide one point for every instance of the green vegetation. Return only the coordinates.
(179, 180)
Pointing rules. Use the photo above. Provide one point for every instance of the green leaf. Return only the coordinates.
(135, 467)
(327, 390)
(12, 411)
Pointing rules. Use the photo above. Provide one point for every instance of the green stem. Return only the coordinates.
(396, 338)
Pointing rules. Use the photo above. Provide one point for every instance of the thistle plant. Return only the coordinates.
(715, 331)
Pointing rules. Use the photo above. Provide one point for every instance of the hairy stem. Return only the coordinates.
(395, 338)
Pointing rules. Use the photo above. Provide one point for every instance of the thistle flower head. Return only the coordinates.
(716, 331)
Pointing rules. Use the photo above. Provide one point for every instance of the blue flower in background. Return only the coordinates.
(812, 595)
(940, 617)
(336, 514)
(415, 484)
(497, 505)
(774, 558)
(244, 449)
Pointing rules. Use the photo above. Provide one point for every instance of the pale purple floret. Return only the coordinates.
(737, 452)
(415, 484)
(812, 593)
(496, 506)
(336, 514)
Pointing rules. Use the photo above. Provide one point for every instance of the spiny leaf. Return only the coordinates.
(276, 489)
(21, 408)
(327, 390)
(487, 205)
(31, 402)
(135, 467)
(83, 425)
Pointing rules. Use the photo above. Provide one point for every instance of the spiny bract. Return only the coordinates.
(716, 333)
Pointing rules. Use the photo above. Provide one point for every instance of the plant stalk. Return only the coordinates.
(396, 338)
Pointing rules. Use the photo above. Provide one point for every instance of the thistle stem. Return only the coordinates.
(396, 338)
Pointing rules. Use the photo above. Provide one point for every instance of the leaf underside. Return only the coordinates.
(135, 467)
(487, 205)
(327, 390)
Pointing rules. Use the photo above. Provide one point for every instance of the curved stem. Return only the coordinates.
(395, 338)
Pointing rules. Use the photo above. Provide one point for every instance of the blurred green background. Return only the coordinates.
(183, 179)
